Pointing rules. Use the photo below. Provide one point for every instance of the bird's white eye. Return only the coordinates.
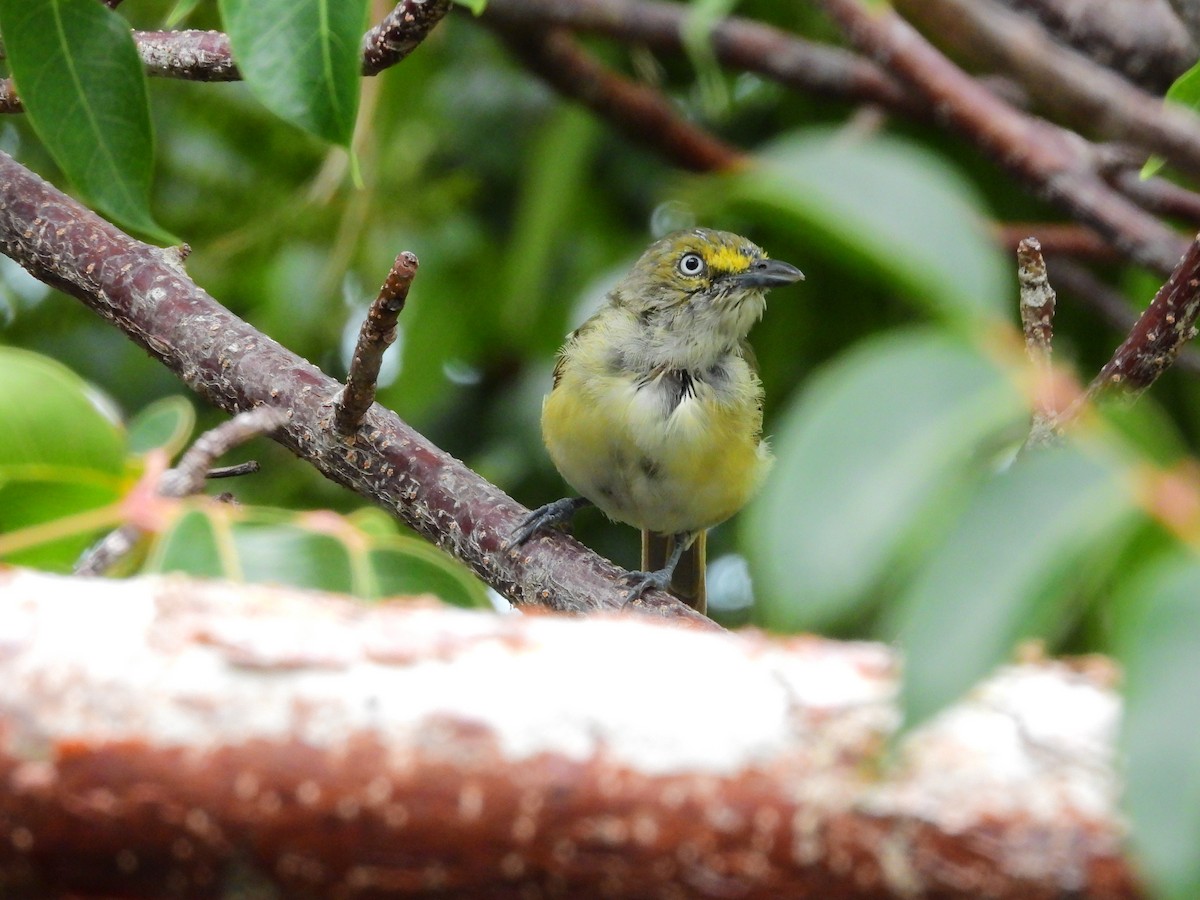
(691, 264)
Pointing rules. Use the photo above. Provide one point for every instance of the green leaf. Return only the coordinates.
(475, 6)
(180, 11)
(79, 75)
(320, 551)
(1160, 728)
(302, 59)
(53, 419)
(46, 505)
(1007, 568)
(63, 454)
(898, 209)
(870, 452)
(1185, 91)
(165, 424)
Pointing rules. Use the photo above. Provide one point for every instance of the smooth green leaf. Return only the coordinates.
(900, 210)
(321, 551)
(302, 59)
(192, 545)
(475, 6)
(864, 457)
(408, 567)
(180, 11)
(1186, 92)
(165, 424)
(52, 418)
(31, 502)
(1006, 569)
(81, 80)
(1160, 728)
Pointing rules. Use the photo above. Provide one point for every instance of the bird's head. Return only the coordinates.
(703, 284)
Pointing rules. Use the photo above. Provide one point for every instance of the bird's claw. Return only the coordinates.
(548, 516)
(644, 581)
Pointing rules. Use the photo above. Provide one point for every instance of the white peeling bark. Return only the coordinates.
(163, 735)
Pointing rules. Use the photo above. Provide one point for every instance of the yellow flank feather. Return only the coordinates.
(656, 411)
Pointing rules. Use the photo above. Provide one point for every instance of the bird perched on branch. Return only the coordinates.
(655, 414)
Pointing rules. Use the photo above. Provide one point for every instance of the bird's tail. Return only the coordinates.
(687, 581)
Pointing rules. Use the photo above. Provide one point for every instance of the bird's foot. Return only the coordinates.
(544, 517)
(643, 581)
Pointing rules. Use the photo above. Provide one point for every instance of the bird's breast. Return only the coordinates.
(668, 451)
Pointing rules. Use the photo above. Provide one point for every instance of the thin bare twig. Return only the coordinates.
(249, 467)
(378, 332)
(183, 480)
(641, 113)
(1162, 330)
(1037, 323)
(400, 32)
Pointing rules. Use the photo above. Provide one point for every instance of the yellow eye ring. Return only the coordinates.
(691, 265)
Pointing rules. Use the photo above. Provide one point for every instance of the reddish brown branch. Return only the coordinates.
(1037, 323)
(191, 55)
(1054, 162)
(378, 332)
(738, 43)
(640, 113)
(145, 292)
(1160, 333)
(166, 737)
(400, 32)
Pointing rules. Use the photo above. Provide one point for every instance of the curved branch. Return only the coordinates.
(146, 293)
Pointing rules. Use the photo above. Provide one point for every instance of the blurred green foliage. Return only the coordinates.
(896, 390)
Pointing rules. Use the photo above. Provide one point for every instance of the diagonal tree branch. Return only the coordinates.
(639, 112)
(1076, 90)
(1054, 162)
(736, 42)
(145, 292)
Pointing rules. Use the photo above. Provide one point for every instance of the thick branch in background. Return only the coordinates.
(145, 292)
(1141, 38)
(163, 736)
(637, 111)
(738, 43)
(1055, 162)
(1072, 87)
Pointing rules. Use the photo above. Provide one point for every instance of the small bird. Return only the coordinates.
(655, 413)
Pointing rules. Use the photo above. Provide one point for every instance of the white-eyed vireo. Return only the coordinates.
(655, 414)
